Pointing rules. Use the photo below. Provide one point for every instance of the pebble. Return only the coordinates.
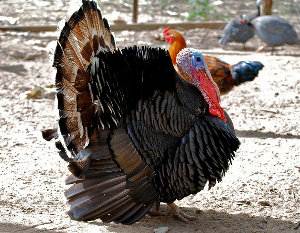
(163, 229)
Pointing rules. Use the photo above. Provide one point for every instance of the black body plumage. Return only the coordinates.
(138, 133)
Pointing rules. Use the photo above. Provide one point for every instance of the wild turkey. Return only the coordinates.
(139, 132)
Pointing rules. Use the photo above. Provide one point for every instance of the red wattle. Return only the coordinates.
(210, 93)
(169, 39)
(218, 113)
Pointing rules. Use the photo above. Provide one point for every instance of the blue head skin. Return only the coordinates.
(245, 71)
(190, 60)
(198, 60)
(193, 69)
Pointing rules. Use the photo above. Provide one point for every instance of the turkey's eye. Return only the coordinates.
(197, 62)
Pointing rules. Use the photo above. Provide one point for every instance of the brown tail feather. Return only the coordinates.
(85, 34)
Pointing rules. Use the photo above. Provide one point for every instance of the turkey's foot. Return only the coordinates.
(155, 212)
(179, 214)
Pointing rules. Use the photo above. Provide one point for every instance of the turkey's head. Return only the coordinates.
(192, 68)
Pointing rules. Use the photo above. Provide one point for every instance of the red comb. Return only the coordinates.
(168, 38)
(166, 30)
(243, 21)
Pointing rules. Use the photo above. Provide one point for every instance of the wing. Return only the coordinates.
(137, 88)
(203, 155)
(123, 77)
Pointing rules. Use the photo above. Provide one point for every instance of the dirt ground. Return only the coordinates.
(260, 192)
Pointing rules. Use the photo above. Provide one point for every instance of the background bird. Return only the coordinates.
(226, 76)
(272, 30)
(139, 132)
(237, 31)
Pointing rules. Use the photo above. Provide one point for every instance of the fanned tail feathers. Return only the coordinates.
(82, 37)
(109, 180)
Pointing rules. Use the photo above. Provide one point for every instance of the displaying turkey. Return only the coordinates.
(226, 76)
(139, 132)
(272, 30)
(237, 31)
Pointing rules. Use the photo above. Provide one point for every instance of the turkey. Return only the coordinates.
(136, 132)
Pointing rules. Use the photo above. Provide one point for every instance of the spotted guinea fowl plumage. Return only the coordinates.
(138, 132)
(274, 30)
(271, 29)
(236, 31)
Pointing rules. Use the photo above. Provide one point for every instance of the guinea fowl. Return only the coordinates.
(139, 132)
(226, 76)
(272, 30)
(237, 31)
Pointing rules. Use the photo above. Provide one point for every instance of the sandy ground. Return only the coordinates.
(260, 192)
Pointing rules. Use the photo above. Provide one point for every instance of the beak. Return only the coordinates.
(210, 91)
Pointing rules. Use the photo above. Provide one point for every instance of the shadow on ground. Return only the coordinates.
(208, 222)
(14, 228)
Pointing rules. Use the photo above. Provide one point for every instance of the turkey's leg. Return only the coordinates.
(272, 51)
(261, 48)
(176, 212)
(154, 211)
(244, 47)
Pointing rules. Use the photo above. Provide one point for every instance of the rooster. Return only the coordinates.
(138, 130)
(226, 76)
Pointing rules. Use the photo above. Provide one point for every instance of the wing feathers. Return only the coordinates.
(203, 155)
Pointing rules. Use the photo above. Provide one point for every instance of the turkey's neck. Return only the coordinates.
(191, 98)
(178, 44)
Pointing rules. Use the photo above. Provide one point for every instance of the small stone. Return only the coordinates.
(35, 93)
(163, 229)
(199, 211)
(51, 85)
(264, 203)
(244, 202)
(120, 21)
(40, 92)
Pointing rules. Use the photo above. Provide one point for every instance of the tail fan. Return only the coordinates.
(83, 36)
(245, 71)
